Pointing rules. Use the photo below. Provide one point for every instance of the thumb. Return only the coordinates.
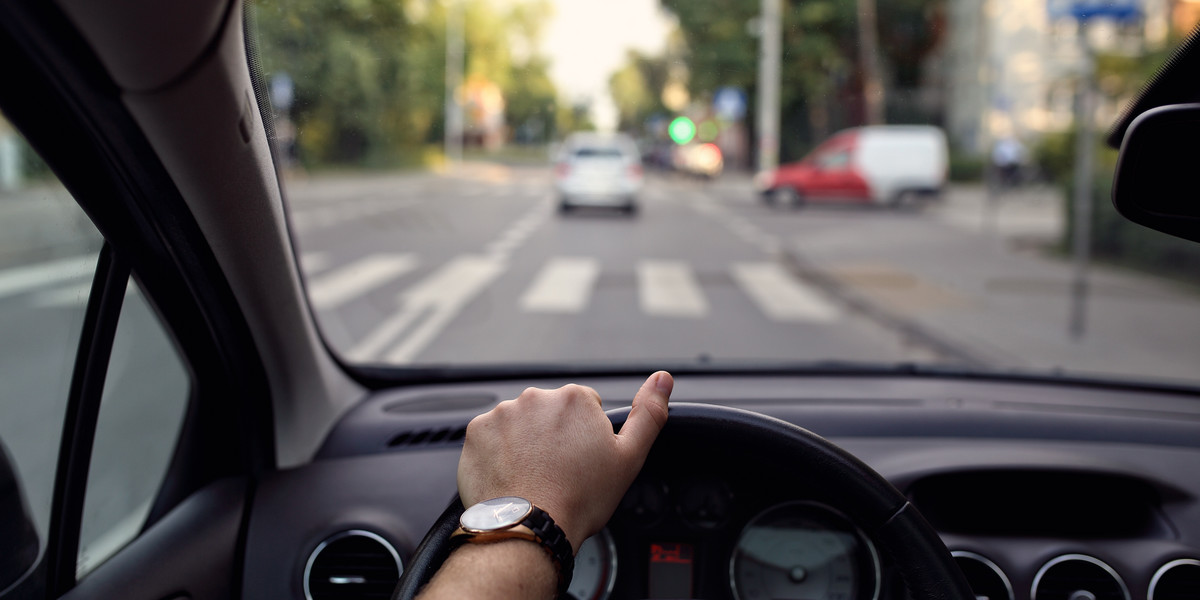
(648, 415)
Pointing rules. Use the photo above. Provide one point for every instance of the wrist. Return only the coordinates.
(515, 518)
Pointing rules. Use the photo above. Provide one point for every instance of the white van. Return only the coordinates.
(886, 164)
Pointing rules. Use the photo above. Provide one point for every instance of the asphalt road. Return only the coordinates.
(480, 267)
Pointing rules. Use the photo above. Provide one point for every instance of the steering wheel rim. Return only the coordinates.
(875, 506)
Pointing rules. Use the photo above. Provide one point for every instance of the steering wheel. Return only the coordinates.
(873, 504)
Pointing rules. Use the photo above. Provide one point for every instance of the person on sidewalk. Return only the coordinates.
(1008, 155)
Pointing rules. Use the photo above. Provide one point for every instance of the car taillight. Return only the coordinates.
(635, 171)
(561, 170)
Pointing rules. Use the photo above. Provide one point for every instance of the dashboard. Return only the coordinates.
(1043, 491)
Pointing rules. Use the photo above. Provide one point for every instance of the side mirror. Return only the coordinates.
(1157, 183)
(18, 538)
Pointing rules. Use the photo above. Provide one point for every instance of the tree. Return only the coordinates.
(637, 88)
(369, 74)
(822, 79)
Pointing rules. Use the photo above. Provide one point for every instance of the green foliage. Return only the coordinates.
(370, 74)
(820, 89)
(571, 118)
(966, 167)
(1118, 240)
(637, 88)
(1114, 238)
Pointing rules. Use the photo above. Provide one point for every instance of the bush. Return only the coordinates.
(1118, 240)
(966, 167)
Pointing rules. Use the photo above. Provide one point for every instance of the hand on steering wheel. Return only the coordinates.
(878, 509)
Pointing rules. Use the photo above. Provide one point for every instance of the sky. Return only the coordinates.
(587, 41)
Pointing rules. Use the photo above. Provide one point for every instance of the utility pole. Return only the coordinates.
(874, 102)
(1085, 147)
(770, 47)
(453, 130)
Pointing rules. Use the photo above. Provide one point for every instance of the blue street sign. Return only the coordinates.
(1086, 10)
(729, 103)
(282, 91)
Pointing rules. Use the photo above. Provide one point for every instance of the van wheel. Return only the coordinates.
(903, 199)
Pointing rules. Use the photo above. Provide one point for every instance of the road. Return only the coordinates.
(482, 268)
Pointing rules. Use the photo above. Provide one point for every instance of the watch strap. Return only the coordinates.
(554, 540)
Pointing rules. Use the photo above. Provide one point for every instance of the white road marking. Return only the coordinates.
(668, 288)
(780, 296)
(72, 294)
(19, 280)
(357, 278)
(562, 286)
(443, 294)
(426, 308)
(516, 234)
(313, 262)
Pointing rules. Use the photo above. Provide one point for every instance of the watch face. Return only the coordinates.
(497, 513)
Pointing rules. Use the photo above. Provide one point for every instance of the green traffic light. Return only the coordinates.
(682, 130)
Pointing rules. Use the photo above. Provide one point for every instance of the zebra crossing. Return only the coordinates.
(426, 296)
(561, 285)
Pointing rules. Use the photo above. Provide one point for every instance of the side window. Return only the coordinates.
(834, 161)
(141, 412)
(48, 253)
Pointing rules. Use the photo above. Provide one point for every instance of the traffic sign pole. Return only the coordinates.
(770, 47)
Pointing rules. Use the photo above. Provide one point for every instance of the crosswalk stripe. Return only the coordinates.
(19, 280)
(780, 296)
(446, 292)
(313, 262)
(562, 286)
(357, 278)
(668, 288)
(426, 308)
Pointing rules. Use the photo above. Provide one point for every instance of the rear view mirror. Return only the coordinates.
(1157, 182)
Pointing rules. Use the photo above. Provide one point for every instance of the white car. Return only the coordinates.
(598, 170)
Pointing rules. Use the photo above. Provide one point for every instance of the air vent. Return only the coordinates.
(352, 565)
(444, 402)
(987, 581)
(1078, 577)
(429, 437)
(1177, 580)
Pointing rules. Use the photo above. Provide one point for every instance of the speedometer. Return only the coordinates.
(803, 551)
(595, 568)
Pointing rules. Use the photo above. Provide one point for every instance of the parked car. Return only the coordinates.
(599, 170)
(700, 160)
(886, 165)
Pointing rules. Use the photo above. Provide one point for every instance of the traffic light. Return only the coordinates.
(682, 130)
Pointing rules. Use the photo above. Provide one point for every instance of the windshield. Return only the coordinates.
(520, 182)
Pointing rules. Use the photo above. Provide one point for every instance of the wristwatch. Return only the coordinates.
(511, 517)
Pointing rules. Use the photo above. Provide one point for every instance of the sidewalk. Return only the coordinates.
(981, 284)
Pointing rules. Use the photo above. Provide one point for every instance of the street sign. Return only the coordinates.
(1087, 10)
(729, 103)
(282, 91)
